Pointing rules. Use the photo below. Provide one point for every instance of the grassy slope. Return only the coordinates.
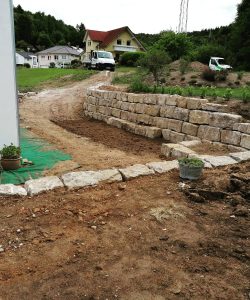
(32, 79)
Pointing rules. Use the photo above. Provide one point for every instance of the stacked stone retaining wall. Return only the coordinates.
(175, 118)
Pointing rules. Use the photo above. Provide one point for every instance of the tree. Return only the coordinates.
(155, 61)
(176, 45)
(204, 52)
(44, 40)
(240, 37)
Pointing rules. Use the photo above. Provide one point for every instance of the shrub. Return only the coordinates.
(245, 96)
(213, 93)
(76, 63)
(183, 65)
(130, 59)
(26, 65)
(52, 65)
(221, 75)
(204, 52)
(191, 162)
(10, 152)
(204, 91)
(228, 94)
(208, 75)
(137, 85)
(190, 91)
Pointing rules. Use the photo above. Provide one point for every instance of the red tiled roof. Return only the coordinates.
(105, 37)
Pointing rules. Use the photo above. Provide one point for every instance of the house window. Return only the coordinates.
(89, 43)
(56, 57)
(43, 56)
(128, 43)
(119, 42)
(64, 56)
(49, 57)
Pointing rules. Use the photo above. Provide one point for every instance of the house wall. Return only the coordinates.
(175, 118)
(94, 45)
(44, 61)
(19, 59)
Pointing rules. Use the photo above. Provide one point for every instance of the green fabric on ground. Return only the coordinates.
(38, 151)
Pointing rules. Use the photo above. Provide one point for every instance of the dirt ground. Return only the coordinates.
(36, 113)
(143, 240)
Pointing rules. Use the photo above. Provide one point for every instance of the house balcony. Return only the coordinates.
(124, 48)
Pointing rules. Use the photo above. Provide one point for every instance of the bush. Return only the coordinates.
(10, 152)
(138, 86)
(75, 63)
(221, 75)
(183, 65)
(228, 94)
(191, 162)
(26, 65)
(204, 52)
(208, 75)
(130, 59)
(52, 65)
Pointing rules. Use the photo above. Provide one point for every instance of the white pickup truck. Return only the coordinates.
(217, 64)
(100, 60)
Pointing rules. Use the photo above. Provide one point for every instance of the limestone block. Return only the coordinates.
(92, 100)
(192, 143)
(175, 125)
(150, 99)
(190, 129)
(195, 103)
(92, 108)
(44, 184)
(129, 126)
(79, 179)
(152, 110)
(144, 119)
(176, 137)
(166, 149)
(224, 120)
(139, 109)
(235, 149)
(125, 106)
(242, 127)
(230, 137)
(109, 175)
(140, 130)
(102, 109)
(124, 97)
(167, 112)
(116, 112)
(163, 166)
(199, 117)
(171, 100)
(124, 115)
(135, 171)
(135, 98)
(179, 151)
(181, 114)
(132, 107)
(217, 161)
(108, 111)
(245, 141)
(118, 96)
(12, 190)
(209, 133)
(102, 102)
(166, 134)
(112, 103)
(160, 122)
(181, 102)
(132, 117)
(161, 100)
(191, 138)
(153, 132)
(112, 95)
(214, 107)
(241, 156)
(115, 122)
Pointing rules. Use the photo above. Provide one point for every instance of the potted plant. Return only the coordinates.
(10, 157)
(190, 168)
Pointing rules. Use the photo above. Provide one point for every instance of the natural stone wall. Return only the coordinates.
(175, 118)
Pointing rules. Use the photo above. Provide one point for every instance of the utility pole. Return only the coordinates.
(9, 118)
(183, 16)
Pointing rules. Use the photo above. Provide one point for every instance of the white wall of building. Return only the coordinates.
(20, 60)
(9, 119)
(59, 60)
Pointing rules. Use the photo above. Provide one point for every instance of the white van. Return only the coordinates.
(217, 64)
(100, 60)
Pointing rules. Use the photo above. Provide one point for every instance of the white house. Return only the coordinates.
(61, 56)
(23, 57)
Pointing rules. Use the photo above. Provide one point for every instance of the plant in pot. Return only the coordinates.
(190, 168)
(10, 157)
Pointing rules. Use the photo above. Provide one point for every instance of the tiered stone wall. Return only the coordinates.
(175, 118)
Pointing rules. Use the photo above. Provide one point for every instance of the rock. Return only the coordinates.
(193, 103)
(135, 171)
(214, 107)
(230, 137)
(80, 179)
(217, 161)
(224, 120)
(195, 197)
(153, 132)
(122, 187)
(175, 150)
(37, 186)
(190, 129)
(241, 156)
(1, 249)
(190, 143)
(12, 190)
(162, 167)
(175, 125)
(199, 117)
(245, 141)
(242, 127)
(109, 175)
(209, 133)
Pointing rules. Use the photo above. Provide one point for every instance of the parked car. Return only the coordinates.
(218, 64)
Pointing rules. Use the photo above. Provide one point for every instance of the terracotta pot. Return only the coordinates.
(11, 164)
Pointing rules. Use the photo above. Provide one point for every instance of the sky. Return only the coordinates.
(141, 16)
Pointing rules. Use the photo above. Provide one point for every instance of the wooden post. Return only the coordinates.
(9, 118)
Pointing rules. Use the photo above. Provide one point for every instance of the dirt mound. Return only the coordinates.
(197, 66)
(175, 65)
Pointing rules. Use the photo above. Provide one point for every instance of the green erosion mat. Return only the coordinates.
(38, 151)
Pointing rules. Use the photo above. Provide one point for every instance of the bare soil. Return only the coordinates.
(143, 240)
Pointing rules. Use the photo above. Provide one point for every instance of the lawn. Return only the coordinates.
(33, 79)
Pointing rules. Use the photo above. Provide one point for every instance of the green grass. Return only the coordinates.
(33, 79)
(124, 69)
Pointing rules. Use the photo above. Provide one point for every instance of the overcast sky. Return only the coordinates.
(140, 15)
